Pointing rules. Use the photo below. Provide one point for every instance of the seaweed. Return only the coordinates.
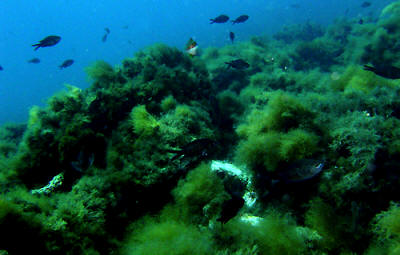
(130, 175)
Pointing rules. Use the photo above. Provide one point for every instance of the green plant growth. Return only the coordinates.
(168, 238)
(276, 233)
(199, 190)
(143, 123)
(280, 132)
(355, 78)
(282, 113)
(386, 227)
(332, 227)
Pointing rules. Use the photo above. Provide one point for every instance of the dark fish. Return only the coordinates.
(220, 19)
(34, 61)
(238, 64)
(47, 42)
(240, 19)
(230, 208)
(301, 171)
(232, 36)
(1, 68)
(360, 21)
(386, 71)
(366, 4)
(104, 38)
(66, 63)
(198, 148)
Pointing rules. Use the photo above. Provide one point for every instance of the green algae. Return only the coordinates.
(304, 97)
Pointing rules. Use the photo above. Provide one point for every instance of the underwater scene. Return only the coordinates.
(194, 127)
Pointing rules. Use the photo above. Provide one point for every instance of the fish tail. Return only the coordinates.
(37, 46)
(212, 21)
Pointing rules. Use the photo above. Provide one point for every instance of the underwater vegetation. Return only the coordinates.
(297, 152)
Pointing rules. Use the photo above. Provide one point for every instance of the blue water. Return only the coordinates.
(134, 25)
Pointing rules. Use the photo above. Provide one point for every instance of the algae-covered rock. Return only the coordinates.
(316, 139)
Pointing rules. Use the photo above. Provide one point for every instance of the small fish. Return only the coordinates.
(198, 148)
(34, 61)
(301, 171)
(366, 4)
(239, 64)
(240, 19)
(1, 68)
(232, 36)
(104, 38)
(192, 47)
(47, 41)
(386, 71)
(360, 21)
(220, 19)
(66, 63)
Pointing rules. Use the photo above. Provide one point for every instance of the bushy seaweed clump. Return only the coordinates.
(383, 44)
(275, 233)
(280, 132)
(387, 231)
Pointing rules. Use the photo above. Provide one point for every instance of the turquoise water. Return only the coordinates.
(134, 25)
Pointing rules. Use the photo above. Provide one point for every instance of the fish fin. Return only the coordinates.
(37, 46)
(369, 68)
(212, 21)
(173, 151)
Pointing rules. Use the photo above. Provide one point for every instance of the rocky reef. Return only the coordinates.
(169, 154)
